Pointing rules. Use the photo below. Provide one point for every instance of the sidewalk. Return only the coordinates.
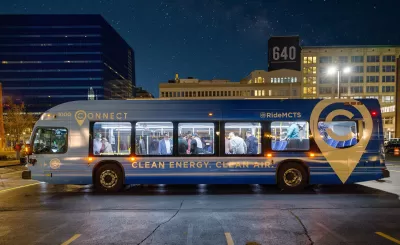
(9, 163)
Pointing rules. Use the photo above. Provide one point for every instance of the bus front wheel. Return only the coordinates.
(109, 178)
(292, 177)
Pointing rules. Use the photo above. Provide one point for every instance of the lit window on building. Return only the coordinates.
(309, 80)
(309, 90)
(310, 60)
(310, 70)
(259, 80)
(387, 109)
(388, 99)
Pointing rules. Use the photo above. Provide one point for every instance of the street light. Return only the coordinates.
(334, 69)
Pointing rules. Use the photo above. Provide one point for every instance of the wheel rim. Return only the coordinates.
(292, 177)
(108, 179)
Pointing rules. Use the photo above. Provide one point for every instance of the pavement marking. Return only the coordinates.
(189, 235)
(18, 187)
(73, 238)
(337, 236)
(394, 171)
(229, 239)
(388, 237)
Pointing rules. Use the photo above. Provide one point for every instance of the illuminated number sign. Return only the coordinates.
(284, 53)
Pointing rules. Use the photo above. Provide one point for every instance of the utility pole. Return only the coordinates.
(2, 133)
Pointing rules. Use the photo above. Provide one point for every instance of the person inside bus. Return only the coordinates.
(293, 131)
(106, 146)
(142, 146)
(189, 141)
(199, 144)
(97, 144)
(227, 145)
(292, 136)
(251, 143)
(154, 146)
(182, 145)
(165, 146)
(238, 146)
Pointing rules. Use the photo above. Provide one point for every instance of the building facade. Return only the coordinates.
(371, 74)
(258, 84)
(142, 93)
(46, 60)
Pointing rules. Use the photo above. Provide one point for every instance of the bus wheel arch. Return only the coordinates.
(292, 167)
(108, 176)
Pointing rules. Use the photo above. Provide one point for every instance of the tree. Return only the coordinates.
(16, 120)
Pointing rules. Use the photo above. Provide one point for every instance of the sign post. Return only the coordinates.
(284, 53)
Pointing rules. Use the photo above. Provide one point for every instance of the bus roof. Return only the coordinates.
(233, 109)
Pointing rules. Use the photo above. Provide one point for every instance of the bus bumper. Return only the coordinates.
(385, 173)
(26, 174)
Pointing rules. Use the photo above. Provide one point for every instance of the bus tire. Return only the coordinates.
(292, 177)
(109, 178)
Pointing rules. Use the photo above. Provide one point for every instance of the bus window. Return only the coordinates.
(50, 141)
(243, 138)
(338, 134)
(195, 138)
(290, 136)
(112, 138)
(154, 138)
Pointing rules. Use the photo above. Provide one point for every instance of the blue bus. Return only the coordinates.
(292, 143)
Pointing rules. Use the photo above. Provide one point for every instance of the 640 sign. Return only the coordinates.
(284, 53)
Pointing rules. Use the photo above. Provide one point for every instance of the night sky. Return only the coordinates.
(224, 39)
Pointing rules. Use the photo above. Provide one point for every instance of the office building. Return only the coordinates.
(258, 84)
(365, 72)
(142, 93)
(46, 60)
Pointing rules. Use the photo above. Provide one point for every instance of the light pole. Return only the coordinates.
(334, 69)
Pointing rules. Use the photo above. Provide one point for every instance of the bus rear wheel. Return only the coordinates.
(292, 177)
(109, 178)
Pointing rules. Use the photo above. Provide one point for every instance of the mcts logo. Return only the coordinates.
(342, 160)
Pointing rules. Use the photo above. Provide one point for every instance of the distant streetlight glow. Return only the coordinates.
(332, 70)
(335, 70)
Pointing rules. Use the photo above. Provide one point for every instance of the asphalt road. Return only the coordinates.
(37, 213)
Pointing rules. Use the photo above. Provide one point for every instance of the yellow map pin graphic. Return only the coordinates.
(343, 161)
(80, 117)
